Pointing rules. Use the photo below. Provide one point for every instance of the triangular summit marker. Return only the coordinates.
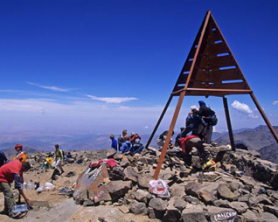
(209, 70)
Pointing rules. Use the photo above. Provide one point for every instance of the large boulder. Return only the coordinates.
(118, 189)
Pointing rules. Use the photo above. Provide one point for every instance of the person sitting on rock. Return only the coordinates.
(162, 137)
(114, 144)
(12, 171)
(121, 139)
(135, 138)
(137, 146)
(3, 158)
(127, 145)
(20, 155)
(187, 145)
(58, 157)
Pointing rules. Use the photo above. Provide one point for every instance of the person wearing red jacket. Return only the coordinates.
(12, 171)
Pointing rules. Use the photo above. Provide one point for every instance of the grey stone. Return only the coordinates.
(172, 214)
(141, 195)
(250, 216)
(225, 193)
(192, 188)
(271, 209)
(221, 203)
(110, 152)
(207, 197)
(118, 188)
(138, 208)
(240, 207)
(143, 180)
(130, 174)
(268, 217)
(177, 190)
(221, 214)
(179, 203)
(159, 206)
(193, 213)
(192, 200)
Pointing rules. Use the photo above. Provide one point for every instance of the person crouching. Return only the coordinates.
(12, 171)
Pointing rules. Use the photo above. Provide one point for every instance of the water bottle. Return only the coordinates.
(30, 185)
(20, 208)
(24, 185)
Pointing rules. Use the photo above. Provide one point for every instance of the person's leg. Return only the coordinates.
(59, 166)
(209, 134)
(9, 198)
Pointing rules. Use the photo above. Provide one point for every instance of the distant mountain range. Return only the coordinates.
(259, 138)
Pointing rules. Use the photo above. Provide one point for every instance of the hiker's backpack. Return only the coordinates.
(214, 120)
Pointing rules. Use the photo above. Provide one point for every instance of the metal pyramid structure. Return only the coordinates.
(209, 70)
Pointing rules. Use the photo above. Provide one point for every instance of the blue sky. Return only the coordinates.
(101, 66)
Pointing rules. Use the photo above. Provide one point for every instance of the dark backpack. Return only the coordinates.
(214, 120)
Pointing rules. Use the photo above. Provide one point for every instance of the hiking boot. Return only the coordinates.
(209, 164)
(3, 212)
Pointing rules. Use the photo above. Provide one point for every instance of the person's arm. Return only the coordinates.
(5, 158)
(18, 185)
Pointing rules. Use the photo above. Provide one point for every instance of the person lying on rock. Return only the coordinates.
(187, 145)
(12, 171)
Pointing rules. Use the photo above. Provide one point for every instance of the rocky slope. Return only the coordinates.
(239, 187)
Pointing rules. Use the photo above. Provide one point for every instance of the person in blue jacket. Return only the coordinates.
(127, 145)
(114, 143)
(3, 158)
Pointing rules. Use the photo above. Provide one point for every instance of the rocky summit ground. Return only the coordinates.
(239, 187)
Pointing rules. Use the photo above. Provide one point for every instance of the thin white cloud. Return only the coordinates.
(52, 88)
(244, 108)
(275, 103)
(146, 127)
(112, 99)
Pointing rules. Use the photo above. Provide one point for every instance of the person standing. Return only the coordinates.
(208, 115)
(3, 158)
(193, 122)
(58, 157)
(12, 171)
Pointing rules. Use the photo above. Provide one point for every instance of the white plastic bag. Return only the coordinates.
(159, 187)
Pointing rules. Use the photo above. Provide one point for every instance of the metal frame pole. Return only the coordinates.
(272, 130)
(231, 135)
(159, 120)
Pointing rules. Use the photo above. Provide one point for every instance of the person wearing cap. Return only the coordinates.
(20, 155)
(114, 142)
(193, 122)
(12, 171)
